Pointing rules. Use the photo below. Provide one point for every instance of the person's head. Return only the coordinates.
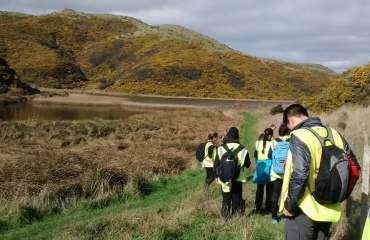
(213, 137)
(233, 134)
(283, 130)
(268, 134)
(294, 114)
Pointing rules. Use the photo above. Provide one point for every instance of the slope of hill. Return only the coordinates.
(353, 86)
(69, 49)
(10, 82)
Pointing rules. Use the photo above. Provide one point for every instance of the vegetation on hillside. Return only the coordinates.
(10, 82)
(353, 86)
(12, 89)
(69, 49)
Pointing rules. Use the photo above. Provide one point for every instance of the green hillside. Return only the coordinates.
(69, 49)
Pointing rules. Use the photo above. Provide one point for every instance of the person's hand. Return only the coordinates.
(216, 180)
(286, 213)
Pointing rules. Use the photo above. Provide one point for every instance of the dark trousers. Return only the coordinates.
(210, 176)
(277, 185)
(232, 199)
(259, 196)
(302, 227)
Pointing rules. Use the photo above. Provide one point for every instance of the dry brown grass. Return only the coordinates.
(90, 158)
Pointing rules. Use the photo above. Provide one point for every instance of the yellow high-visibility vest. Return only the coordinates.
(207, 162)
(366, 231)
(308, 204)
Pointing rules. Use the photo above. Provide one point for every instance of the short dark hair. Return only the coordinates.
(295, 110)
(284, 130)
(233, 133)
(212, 135)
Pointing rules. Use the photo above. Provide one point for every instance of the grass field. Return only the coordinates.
(135, 179)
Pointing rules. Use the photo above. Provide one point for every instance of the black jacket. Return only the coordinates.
(301, 164)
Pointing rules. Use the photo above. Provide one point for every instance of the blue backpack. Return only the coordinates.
(279, 156)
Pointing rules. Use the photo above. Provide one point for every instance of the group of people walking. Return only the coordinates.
(284, 169)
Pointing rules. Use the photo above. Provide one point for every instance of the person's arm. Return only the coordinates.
(216, 164)
(269, 154)
(210, 151)
(301, 168)
(247, 161)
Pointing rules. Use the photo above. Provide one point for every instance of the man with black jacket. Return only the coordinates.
(306, 218)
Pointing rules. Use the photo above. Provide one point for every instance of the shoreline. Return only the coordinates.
(85, 99)
(121, 94)
(102, 98)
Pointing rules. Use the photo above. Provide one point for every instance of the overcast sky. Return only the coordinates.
(334, 33)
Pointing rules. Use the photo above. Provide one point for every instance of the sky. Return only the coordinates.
(333, 33)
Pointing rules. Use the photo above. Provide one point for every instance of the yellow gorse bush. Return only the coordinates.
(351, 87)
(70, 49)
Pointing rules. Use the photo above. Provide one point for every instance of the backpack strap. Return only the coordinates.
(236, 150)
(225, 147)
(329, 136)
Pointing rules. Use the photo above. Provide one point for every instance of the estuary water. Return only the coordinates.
(77, 106)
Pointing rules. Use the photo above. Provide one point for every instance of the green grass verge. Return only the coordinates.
(248, 131)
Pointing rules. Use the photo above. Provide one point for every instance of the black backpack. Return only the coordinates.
(200, 152)
(337, 174)
(229, 168)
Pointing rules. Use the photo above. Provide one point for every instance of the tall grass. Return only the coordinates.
(135, 179)
(45, 166)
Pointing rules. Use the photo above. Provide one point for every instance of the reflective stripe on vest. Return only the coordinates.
(314, 210)
(259, 148)
(207, 162)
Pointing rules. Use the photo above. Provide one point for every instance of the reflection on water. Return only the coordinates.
(53, 111)
(31, 110)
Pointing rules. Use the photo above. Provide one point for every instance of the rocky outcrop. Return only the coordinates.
(12, 90)
(10, 82)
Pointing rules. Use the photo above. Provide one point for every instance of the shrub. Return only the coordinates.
(277, 109)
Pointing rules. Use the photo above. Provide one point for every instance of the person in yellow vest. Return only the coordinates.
(262, 173)
(232, 191)
(281, 150)
(366, 230)
(210, 153)
(305, 217)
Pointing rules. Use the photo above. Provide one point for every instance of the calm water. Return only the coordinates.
(33, 110)
(64, 112)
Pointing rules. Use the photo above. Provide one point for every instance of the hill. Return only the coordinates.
(70, 49)
(10, 82)
(353, 86)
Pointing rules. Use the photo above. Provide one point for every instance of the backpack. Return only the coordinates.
(279, 156)
(200, 152)
(229, 168)
(337, 173)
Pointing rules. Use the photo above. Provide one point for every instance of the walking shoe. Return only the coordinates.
(274, 221)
